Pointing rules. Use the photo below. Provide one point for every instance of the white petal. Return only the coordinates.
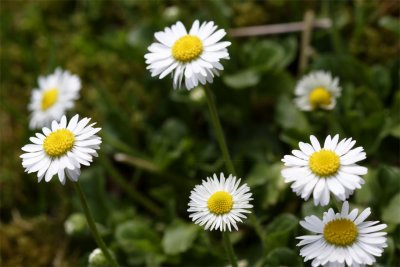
(72, 123)
(354, 169)
(363, 216)
(195, 28)
(315, 143)
(215, 37)
(318, 191)
(306, 148)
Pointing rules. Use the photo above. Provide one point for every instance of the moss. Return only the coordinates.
(38, 241)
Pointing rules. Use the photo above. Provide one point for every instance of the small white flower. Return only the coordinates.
(319, 171)
(193, 57)
(317, 90)
(56, 94)
(219, 203)
(62, 149)
(342, 238)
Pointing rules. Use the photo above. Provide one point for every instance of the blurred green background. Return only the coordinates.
(158, 143)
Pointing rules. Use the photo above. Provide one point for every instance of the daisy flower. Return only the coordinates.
(193, 57)
(56, 94)
(342, 238)
(321, 171)
(62, 149)
(219, 203)
(317, 90)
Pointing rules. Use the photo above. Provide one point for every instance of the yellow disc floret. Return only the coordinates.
(59, 142)
(187, 48)
(324, 163)
(319, 96)
(220, 202)
(340, 232)
(49, 98)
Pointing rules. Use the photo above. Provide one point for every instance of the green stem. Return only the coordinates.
(225, 152)
(148, 166)
(337, 204)
(131, 191)
(218, 130)
(229, 249)
(335, 35)
(92, 225)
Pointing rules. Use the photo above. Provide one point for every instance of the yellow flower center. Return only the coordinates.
(319, 96)
(49, 98)
(59, 142)
(324, 162)
(187, 48)
(341, 232)
(220, 202)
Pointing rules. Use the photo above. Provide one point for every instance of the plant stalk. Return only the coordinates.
(225, 152)
(92, 225)
(218, 131)
(229, 249)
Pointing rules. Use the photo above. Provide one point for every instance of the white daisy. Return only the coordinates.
(319, 171)
(317, 90)
(218, 204)
(192, 56)
(342, 238)
(56, 94)
(62, 149)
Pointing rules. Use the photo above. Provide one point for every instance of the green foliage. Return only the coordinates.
(283, 257)
(391, 213)
(242, 79)
(178, 237)
(159, 142)
(280, 232)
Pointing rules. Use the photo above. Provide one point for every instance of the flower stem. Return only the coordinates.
(92, 225)
(225, 152)
(229, 249)
(337, 204)
(218, 130)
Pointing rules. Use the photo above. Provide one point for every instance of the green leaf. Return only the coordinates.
(283, 257)
(396, 131)
(290, 117)
(346, 67)
(242, 79)
(280, 231)
(269, 177)
(382, 182)
(137, 237)
(391, 213)
(391, 24)
(290, 48)
(308, 208)
(389, 185)
(258, 175)
(179, 237)
(266, 55)
(368, 192)
(380, 81)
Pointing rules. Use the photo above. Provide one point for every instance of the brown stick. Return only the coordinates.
(305, 49)
(278, 28)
